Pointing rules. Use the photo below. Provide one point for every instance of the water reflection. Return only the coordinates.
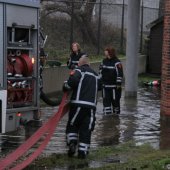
(165, 135)
(78, 166)
(12, 140)
(128, 119)
(107, 131)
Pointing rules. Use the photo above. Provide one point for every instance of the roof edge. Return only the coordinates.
(152, 24)
(29, 3)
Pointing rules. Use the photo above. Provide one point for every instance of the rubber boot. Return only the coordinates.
(72, 149)
(81, 155)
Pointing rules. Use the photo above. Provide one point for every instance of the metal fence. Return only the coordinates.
(108, 25)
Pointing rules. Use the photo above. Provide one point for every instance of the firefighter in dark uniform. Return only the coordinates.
(111, 73)
(75, 55)
(83, 82)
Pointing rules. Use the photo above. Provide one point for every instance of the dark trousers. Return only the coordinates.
(80, 124)
(111, 100)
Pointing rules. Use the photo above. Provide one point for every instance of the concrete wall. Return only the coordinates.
(54, 77)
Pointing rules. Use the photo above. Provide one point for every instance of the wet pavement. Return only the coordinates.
(139, 121)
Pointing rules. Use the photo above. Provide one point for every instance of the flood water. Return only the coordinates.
(139, 121)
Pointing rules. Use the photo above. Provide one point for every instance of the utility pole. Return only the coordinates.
(122, 27)
(133, 24)
(141, 33)
(99, 28)
(72, 23)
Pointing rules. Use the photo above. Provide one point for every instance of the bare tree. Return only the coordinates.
(80, 10)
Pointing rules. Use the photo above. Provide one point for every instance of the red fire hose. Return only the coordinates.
(47, 129)
(21, 65)
(18, 67)
(28, 65)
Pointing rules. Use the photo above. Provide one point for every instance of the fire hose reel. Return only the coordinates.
(19, 65)
(28, 65)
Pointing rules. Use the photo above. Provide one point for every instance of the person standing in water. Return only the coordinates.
(111, 73)
(83, 82)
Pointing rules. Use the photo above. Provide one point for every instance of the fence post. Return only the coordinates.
(141, 32)
(72, 23)
(122, 27)
(99, 28)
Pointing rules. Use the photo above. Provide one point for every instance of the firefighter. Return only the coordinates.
(111, 73)
(75, 55)
(83, 82)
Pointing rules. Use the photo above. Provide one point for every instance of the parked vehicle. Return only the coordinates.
(19, 58)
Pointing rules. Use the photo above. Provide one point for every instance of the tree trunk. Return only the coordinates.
(83, 17)
(86, 29)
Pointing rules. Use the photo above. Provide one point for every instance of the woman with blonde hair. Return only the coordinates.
(75, 55)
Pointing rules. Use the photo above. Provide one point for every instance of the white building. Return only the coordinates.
(112, 12)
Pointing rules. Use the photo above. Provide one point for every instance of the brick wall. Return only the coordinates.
(165, 87)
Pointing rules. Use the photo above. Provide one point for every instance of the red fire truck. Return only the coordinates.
(19, 69)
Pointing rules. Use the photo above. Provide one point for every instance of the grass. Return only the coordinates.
(131, 157)
(99, 58)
